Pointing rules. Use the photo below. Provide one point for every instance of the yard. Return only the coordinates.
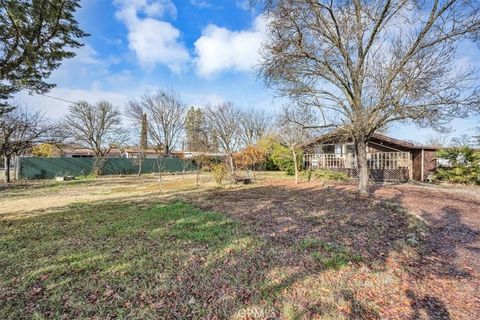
(140, 248)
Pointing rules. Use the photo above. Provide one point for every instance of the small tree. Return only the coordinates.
(98, 127)
(20, 129)
(223, 122)
(219, 172)
(292, 132)
(35, 36)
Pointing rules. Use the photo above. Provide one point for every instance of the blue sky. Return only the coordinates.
(203, 49)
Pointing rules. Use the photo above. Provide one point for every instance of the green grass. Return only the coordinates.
(328, 255)
(118, 260)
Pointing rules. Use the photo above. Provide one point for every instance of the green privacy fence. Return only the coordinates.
(45, 168)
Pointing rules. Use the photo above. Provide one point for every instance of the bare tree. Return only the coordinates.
(20, 129)
(97, 127)
(165, 113)
(223, 122)
(253, 125)
(292, 123)
(365, 64)
(438, 139)
(463, 140)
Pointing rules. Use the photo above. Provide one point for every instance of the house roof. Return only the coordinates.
(376, 138)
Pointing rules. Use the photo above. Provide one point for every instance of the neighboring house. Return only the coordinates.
(194, 154)
(389, 159)
(134, 153)
(87, 153)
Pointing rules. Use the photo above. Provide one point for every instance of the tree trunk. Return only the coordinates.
(97, 166)
(197, 177)
(230, 162)
(362, 164)
(7, 169)
(295, 164)
(140, 166)
(15, 168)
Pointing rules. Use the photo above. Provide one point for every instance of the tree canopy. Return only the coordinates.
(35, 36)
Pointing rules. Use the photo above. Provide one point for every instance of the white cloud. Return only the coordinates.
(201, 3)
(154, 41)
(220, 49)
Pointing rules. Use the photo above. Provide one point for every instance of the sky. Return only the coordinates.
(206, 50)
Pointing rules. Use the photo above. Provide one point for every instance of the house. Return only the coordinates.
(70, 152)
(133, 153)
(389, 159)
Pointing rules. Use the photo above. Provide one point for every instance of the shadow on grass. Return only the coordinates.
(137, 258)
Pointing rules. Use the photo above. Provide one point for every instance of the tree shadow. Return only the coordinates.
(433, 307)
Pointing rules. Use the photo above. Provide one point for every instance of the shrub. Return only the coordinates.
(268, 143)
(308, 174)
(43, 150)
(463, 166)
(329, 175)
(283, 159)
(219, 172)
(251, 157)
(205, 163)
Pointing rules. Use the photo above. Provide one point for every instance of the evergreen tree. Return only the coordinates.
(196, 130)
(144, 133)
(35, 36)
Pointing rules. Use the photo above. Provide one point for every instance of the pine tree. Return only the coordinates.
(143, 133)
(35, 36)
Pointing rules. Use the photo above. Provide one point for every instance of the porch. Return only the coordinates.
(382, 166)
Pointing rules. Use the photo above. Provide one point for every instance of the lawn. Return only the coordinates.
(139, 248)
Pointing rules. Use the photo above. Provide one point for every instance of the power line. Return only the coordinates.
(59, 99)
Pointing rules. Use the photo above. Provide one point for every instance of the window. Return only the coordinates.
(338, 149)
(328, 148)
(350, 148)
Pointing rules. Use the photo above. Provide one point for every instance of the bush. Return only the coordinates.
(283, 159)
(463, 166)
(308, 174)
(219, 172)
(250, 158)
(205, 163)
(328, 175)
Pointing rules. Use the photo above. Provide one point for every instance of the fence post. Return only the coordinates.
(17, 168)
